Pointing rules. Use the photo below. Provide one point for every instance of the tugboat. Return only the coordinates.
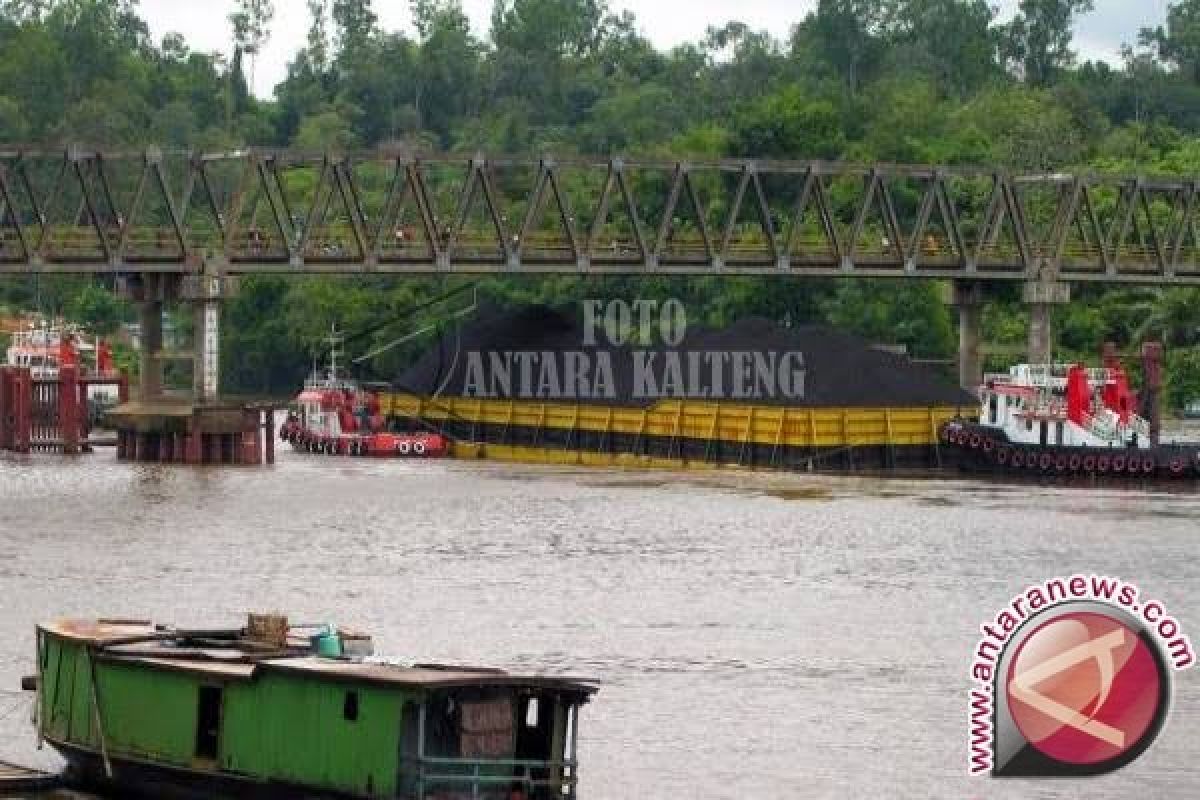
(274, 710)
(1066, 419)
(336, 416)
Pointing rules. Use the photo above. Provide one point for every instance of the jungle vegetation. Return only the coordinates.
(912, 81)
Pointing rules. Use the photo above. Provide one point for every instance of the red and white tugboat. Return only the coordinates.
(335, 416)
(1066, 419)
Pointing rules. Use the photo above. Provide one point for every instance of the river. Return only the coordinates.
(756, 636)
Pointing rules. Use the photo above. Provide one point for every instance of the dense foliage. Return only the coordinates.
(938, 81)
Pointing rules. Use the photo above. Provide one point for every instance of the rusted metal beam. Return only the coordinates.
(82, 211)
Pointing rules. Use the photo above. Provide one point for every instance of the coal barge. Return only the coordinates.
(532, 386)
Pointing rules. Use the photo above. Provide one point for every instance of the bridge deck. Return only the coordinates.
(286, 212)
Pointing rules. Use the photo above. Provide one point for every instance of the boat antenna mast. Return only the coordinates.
(335, 340)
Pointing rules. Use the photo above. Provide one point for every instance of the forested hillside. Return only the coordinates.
(938, 81)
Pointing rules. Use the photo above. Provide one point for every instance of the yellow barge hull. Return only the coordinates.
(682, 433)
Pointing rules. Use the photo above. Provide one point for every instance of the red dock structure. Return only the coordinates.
(44, 414)
(16, 419)
(50, 414)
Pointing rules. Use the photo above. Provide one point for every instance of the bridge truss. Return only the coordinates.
(82, 211)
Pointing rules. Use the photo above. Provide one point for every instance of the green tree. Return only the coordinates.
(1178, 43)
(1171, 316)
(13, 127)
(1022, 129)
(448, 67)
(740, 62)
(252, 28)
(910, 314)
(307, 89)
(328, 130)
(953, 41)
(1183, 376)
(355, 27)
(848, 35)
(1039, 38)
(318, 36)
(97, 310)
(792, 124)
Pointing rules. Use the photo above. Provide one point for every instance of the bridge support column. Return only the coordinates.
(206, 292)
(150, 314)
(967, 297)
(1042, 297)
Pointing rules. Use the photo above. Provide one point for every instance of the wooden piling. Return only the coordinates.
(268, 433)
(22, 404)
(69, 422)
(194, 449)
(5, 404)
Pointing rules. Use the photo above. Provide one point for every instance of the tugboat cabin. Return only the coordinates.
(1063, 405)
(156, 712)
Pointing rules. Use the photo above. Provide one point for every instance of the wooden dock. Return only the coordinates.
(15, 779)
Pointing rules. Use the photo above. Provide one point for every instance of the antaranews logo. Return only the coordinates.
(1073, 677)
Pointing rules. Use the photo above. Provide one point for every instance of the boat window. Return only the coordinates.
(993, 406)
(1059, 433)
(1029, 424)
(208, 722)
(350, 707)
(1045, 433)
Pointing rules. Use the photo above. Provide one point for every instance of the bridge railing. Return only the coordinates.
(285, 211)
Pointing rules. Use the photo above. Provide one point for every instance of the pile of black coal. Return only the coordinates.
(542, 354)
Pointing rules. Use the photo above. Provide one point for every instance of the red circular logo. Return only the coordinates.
(1084, 688)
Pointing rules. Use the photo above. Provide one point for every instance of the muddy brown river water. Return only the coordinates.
(756, 636)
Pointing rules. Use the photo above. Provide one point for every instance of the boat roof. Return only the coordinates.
(143, 643)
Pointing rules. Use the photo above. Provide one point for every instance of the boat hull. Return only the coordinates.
(376, 445)
(981, 448)
(146, 780)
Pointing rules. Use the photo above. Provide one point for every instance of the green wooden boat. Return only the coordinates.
(144, 710)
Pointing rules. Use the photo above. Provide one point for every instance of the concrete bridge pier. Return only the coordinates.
(967, 297)
(206, 293)
(1042, 297)
(172, 427)
(151, 293)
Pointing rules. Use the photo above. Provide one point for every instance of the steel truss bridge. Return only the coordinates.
(256, 211)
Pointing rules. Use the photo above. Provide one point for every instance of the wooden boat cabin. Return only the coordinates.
(152, 711)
